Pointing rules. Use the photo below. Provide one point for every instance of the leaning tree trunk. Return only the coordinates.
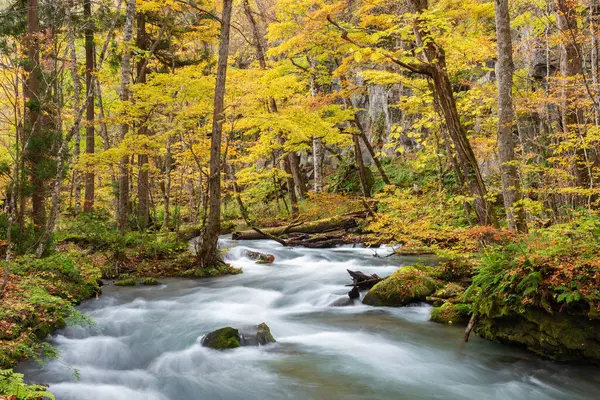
(88, 203)
(123, 209)
(208, 255)
(506, 144)
(444, 95)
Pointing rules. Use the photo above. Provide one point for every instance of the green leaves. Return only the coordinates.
(12, 384)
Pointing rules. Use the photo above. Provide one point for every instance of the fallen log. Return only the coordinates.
(343, 222)
(361, 281)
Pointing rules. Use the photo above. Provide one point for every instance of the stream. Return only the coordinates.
(146, 342)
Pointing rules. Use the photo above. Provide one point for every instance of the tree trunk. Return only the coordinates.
(123, 209)
(570, 66)
(369, 147)
(167, 186)
(208, 254)
(443, 94)
(143, 211)
(360, 165)
(299, 184)
(32, 93)
(318, 164)
(75, 186)
(88, 204)
(290, 184)
(317, 146)
(511, 188)
(258, 40)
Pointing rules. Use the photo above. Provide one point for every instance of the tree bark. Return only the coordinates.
(290, 184)
(143, 210)
(167, 186)
(318, 164)
(511, 188)
(32, 93)
(299, 184)
(88, 204)
(317, 145)
(75, 186)
(123, 209)
(208, 255)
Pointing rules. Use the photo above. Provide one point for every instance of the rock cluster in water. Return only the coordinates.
(260, 257)
(230, 338)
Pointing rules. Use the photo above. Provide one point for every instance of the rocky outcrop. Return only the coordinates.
(231, 338)
(559, 336)
(405, 286)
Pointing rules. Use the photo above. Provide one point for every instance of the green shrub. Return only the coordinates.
(11, 384)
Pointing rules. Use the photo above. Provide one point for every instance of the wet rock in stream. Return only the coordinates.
(230, 338)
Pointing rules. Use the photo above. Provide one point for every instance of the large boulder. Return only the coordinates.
(230, 338)
(405, 286)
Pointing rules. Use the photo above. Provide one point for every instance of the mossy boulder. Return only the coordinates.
(126, 282)
(450, 313)
(222, 339)
(230, 338)
(559, 336)
(405, 286)
(449, 291)
(150, 281)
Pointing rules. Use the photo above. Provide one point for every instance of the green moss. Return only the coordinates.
(221, 339)
(450, 290)
(407, 285)
(150, 281)
(450, 313)
(126, 282)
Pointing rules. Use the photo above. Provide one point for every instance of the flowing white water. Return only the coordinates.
(146, 345)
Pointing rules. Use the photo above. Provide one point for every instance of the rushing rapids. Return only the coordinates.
(146, 341)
